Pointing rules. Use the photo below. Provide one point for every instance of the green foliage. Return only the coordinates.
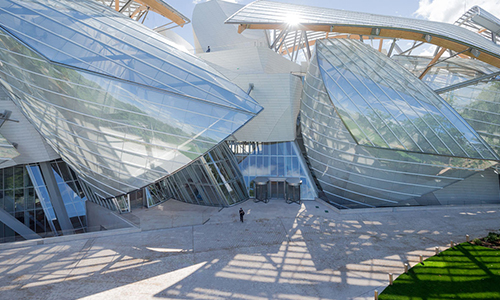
(464, 272)
(477, 242)
(493, 237)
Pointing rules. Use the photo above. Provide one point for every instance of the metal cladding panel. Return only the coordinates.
(384, 105)
(353, 175)
(119, 135)
(268, 12)
(486, 20)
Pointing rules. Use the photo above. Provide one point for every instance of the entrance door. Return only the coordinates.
(277, 189)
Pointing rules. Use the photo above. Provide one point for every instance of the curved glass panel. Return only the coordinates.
(352, 175)
(384, 105)
(88, 35)
(118, 135)
(213, 180)
(478, 103)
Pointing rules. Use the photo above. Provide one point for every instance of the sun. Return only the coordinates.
(292, 19)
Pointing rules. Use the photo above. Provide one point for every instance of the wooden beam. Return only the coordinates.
(380, 45)
(117, 5)
(432, 62)
(138, 10)
(388, 33)
(289, 49)
(163, 10)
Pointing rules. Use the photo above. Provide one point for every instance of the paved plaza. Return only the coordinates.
(282, 251)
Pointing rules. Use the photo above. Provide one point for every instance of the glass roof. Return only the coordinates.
(88, 35)
(269, 12)
(384, 105)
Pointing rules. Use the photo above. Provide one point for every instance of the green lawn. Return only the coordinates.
(464, 272)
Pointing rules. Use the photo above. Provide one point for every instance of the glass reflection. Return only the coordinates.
(352, 175)
(119, 136)
(478, 104)
(385, 106)
(278, 160)
(214, 180)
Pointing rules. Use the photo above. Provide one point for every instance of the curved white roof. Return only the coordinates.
(279, 15)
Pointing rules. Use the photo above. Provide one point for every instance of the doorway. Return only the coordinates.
(277, 189)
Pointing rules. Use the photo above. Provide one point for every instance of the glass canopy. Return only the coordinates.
(90, 36)
(94, 84)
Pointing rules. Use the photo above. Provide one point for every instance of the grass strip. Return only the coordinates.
(465, 271)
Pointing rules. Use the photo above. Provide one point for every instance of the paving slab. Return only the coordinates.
(281, 251)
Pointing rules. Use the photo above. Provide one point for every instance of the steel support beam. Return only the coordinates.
(432, 63)
(391, 48)
(281, 37)
(435, 60)
(250, 88)
(307, 46)
(17, 226)
(466, 83)
(126, 5)
(415, 45)
(56, 199)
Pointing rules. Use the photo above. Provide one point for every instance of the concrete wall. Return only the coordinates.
(100, 218)
(209, 28)
(275, 89)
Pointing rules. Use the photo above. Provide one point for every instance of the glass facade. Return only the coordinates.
(69, 189)
(383, 105)
(354, 175)
(19, 198)
(273, 160)
(137, 122)
(213, 180)
(72, 194)
(25, 195)
(478, 103)
(116, 101)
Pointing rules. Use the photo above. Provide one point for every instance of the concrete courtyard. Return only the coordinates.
(282, 251)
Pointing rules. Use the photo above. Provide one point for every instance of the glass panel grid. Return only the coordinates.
(352, 175)
(438, 124)
(113, 132)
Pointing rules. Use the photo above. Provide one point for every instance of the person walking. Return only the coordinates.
(242, 213)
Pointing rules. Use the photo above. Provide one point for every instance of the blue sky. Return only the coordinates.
(435, 10)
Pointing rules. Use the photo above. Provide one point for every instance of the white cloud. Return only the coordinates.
(450, 10)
